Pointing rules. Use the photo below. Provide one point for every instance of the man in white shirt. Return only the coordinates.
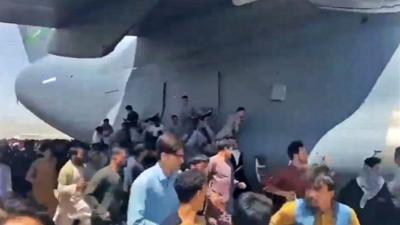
(70, 191)
(394, 185)
(98, 135)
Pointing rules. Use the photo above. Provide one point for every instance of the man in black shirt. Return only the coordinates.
(133, 116)
(191, 188)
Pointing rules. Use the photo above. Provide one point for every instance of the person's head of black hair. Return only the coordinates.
(252, 209)
(128, 108)
(46, 145)
(199, 158)
(240, 108)
(294, 148)
(18, 207)
(117, 150)
(148, 160)
(397, 153)
(106, 121)
(225, 143)
(372, 161)
(99, 147)
(155, 119)
(188, 184)
(168, 143)
(174, 116)
(75, 146)
(397, 156)
(185, 97)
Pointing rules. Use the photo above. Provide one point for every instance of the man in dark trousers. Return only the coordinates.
(105, 193)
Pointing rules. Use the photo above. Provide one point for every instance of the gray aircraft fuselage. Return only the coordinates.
(329, 62)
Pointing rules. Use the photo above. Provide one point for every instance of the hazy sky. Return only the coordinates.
(15, 119)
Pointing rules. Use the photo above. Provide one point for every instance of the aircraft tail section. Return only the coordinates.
(124, 54)
(35, 41)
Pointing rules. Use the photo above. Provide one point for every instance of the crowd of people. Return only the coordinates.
(180, 173)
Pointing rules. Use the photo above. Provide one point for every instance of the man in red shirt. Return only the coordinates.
(291, 182)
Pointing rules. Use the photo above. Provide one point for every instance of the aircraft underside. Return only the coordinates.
(328, 61)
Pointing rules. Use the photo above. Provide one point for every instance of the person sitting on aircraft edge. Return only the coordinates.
(191, 188)
(292, 181)
(108, 130)
(319, 207)
(369, 196)
(252, 209)
(132, 116)
(107, 126)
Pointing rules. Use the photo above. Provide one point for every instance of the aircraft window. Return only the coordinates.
(49, 80)
(365, 6)
(242, 2)
(111, 91)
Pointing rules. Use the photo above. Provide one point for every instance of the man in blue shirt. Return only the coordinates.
(153, 197)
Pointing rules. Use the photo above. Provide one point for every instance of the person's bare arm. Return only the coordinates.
(289, 195)
(31, 174)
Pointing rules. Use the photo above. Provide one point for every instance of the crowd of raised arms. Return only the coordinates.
(183, 172)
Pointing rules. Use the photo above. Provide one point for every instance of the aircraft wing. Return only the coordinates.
(29, 12)
(84, 28)
(45, 13)
(92, 28)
